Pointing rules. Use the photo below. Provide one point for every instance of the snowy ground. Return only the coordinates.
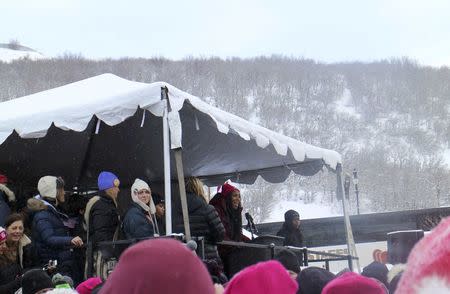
(307, 211)
(344, 104)
(8, 55)
(446, 157)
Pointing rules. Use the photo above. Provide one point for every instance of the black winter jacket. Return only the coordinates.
(204, 221)
(10, 273)
(135, 223)
(292, 237)
(10, 278)
(103, 221)
(161, 225)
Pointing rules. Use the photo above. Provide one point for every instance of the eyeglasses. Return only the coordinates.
(141, 192)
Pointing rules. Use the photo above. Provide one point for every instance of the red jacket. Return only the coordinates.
(219, 201)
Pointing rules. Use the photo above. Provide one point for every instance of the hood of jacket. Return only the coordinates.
(36, 205)
(139, 185)
(24, 241)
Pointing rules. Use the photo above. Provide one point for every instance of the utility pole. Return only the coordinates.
(355, 181)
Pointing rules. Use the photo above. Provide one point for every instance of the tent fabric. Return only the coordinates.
(107, 122)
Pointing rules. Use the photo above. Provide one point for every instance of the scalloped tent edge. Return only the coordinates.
(113, 100)
(109, 123)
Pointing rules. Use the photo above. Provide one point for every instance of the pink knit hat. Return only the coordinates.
(353, 283)
(268, 277)
(159, 265)
(3, 234)
(428, 266)
(87, 286)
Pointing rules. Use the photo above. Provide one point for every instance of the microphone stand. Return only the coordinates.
(255, 230)
(249, 227)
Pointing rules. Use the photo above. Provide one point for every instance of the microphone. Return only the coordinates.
(248, 217)
(250, 224)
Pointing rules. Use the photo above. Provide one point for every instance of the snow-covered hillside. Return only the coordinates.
(389, 119)
(307, 211)
(9, 55)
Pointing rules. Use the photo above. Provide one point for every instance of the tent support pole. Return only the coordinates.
(348, 227)
(166, 148)
(87, 153)
(181, 185)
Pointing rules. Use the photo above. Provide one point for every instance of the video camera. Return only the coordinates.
(51, 266)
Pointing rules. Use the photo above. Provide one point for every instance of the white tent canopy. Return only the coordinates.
(104, 123)
(109, 123)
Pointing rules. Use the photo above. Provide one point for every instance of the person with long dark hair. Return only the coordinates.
(228, 206)
(9, 275)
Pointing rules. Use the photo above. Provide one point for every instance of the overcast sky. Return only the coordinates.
(328, 31)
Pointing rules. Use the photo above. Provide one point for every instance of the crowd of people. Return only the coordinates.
(43, 248)
(53, 230)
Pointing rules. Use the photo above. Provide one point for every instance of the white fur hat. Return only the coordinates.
(47, 186)
(137, 186)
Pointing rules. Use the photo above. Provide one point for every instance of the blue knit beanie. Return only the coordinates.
(107, 180)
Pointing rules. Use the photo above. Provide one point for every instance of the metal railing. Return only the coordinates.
(301, 250)
(117, 247)
(336, 257)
